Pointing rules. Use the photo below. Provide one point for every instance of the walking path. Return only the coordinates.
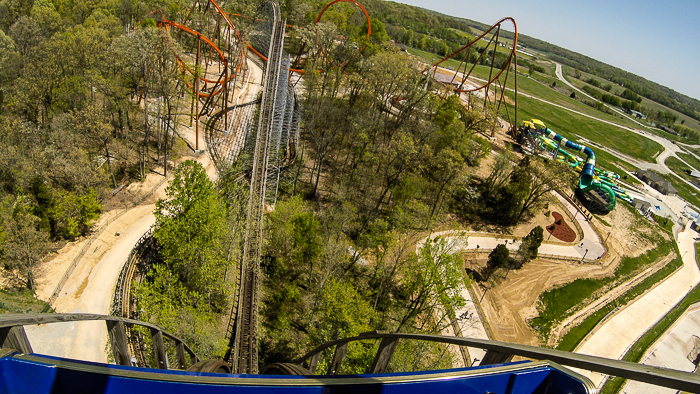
(613, 338)
(677, 349)
(93, 294)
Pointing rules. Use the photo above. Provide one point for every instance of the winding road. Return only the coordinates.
(613, 338)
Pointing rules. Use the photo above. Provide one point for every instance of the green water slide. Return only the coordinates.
(600, 193)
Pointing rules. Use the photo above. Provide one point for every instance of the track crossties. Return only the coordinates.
(560, 229)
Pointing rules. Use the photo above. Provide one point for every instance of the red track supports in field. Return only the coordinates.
(494, 42)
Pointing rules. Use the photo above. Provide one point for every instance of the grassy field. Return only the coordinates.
(557, 302)
(689, 122)
(540, 86)
(679, 168)
(572, 125)
(635, 353)
(690, 159)
(687, 192)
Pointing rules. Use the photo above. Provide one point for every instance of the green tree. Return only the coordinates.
(9, 61)
(444, 168)
(44, 12)
(513, 197)
(342, 312)
(191, 230)
(26, 34)
(499, 257)
(537, 178)
(408, 38)
(24, 245)
(71, 214)
(501, 168)
(163, 299)
(431, 284)
(90, 123)
(530, 244)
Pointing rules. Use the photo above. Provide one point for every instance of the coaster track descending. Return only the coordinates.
(466, 83)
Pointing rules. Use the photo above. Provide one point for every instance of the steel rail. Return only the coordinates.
(506, 65)
(9, 321)
(498, 352)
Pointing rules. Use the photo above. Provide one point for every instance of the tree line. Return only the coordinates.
(87, 104)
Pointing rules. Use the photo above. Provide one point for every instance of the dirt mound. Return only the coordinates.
(510, 303)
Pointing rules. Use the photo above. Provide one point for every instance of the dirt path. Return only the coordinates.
(90, 288)
(512, 302)
(578, 317)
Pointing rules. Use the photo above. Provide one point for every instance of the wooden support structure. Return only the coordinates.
(158, 349)
(196, 96)
(181, 360)
(340, 351)
(15, 338)
(117, 338)
(313, 363)
(495, 357)
(383, 356)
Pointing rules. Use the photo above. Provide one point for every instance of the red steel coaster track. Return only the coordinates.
(463, 84)
(228, 61)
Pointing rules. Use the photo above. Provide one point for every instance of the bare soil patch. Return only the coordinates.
(510, 301)
(560, 229)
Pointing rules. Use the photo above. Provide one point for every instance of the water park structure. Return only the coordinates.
(596, 187)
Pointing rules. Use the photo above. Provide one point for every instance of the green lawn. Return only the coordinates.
(688, 121)
(687, 192)
(690, 159)
(571, 125)
(557, 302)
(538, 86)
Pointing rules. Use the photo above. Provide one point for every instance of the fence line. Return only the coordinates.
(96, 233)
(474, 252)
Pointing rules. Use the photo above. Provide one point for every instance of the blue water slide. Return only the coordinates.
(589, 167)
(587, 183)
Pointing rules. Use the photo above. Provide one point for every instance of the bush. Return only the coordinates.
(593, 82)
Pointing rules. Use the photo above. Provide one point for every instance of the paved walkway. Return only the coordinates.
(676, 350)
(614, 337)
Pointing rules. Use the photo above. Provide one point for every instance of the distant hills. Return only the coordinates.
(440, 33)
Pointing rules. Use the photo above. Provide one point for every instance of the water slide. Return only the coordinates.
(605, 177)
(598, 182)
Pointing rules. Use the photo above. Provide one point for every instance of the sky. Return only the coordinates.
(658, 40)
